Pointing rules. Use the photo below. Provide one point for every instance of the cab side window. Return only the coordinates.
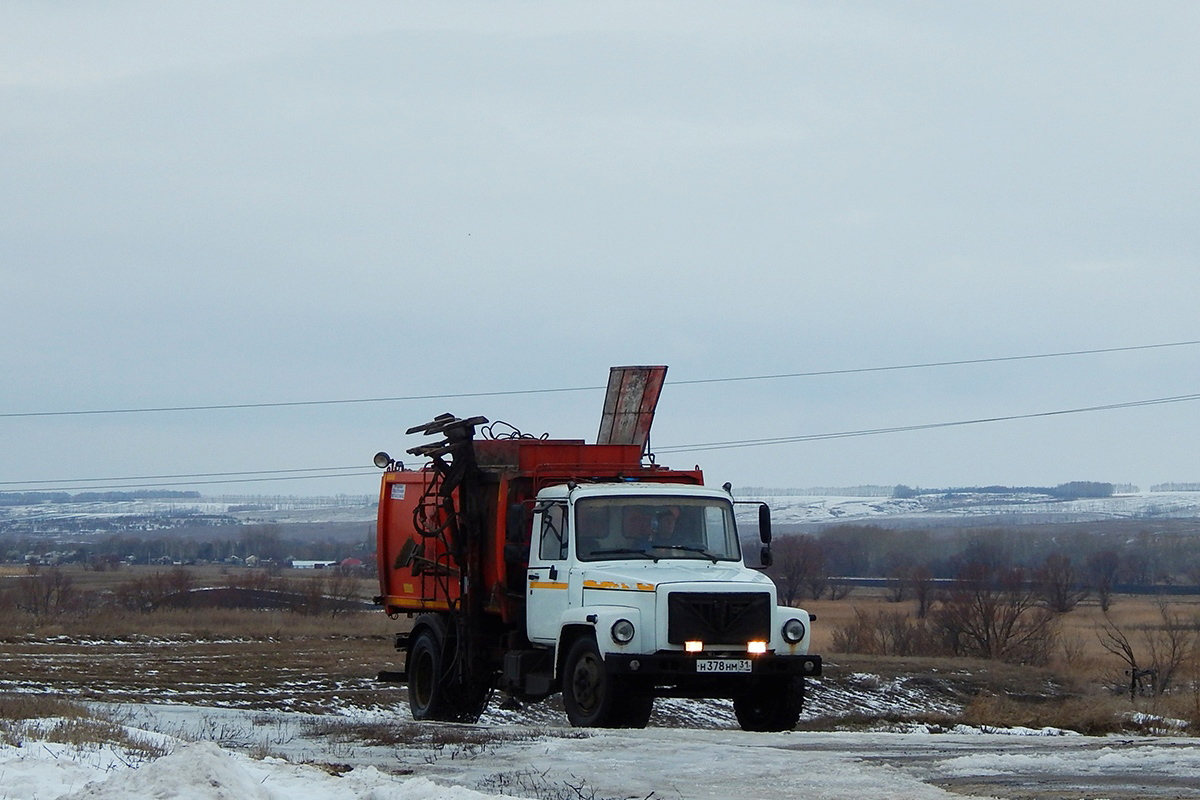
(553, 545)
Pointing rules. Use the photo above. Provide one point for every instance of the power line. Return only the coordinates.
(70, 488)
(332, 472)
(292, 403)
(559, 390)
(816, 437)
(930, 364)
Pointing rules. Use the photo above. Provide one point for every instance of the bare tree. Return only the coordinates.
(1170, 646)
(1157, 655)
(993, 612)
(341, 591)
(797, 560)
(148, 592)
(899, 583)
(1060, 588)
(921, 581)
(1102, 570)
(46, 593)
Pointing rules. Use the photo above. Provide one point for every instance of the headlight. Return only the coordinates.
(622, 631)
(793, 631)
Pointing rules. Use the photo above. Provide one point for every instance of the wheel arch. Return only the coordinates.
(570, 633)
(434, 622)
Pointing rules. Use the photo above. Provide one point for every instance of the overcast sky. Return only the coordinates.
(232, 203)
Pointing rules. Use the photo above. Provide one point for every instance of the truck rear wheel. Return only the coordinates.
(593, 697)
(770, 705)
(433, 693)
(426, 693)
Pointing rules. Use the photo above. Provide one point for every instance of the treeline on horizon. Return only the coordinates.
(53, 498)
(1091, 555)
(1073, 490)
(267, 542)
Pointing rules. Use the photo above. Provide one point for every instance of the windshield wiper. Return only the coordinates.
(691, 548)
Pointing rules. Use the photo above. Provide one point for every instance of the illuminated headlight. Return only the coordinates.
(622, 631)
(793, 631)
(756, 648)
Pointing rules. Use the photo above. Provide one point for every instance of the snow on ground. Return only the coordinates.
(797, 509)
(199, 771)
(210, 759)
(342, 508)
(786, 509)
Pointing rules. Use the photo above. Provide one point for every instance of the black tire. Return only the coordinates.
(770, 706)
(592, 697)
(426, 681)
(433, 694)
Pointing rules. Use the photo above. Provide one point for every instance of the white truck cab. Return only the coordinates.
(640, 590)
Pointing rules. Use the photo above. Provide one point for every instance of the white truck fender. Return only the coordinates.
(602, 619)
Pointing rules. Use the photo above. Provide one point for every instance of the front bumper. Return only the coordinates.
(675, 667)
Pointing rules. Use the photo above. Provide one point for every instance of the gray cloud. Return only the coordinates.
(213, 203)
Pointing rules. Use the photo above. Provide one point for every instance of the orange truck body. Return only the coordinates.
(418, 574)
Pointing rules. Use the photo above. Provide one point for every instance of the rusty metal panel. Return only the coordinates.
(629, 405)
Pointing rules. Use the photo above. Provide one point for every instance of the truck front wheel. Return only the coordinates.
(772, 705)
(593, 697)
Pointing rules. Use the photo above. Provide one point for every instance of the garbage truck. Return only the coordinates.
(537, 566)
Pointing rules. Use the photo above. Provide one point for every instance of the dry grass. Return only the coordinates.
(1092, 715)
(1083, 688)
(15, 706)
(36, 717)
(215, 656)
(1077, 629)
(279, 659)
(94, 613)
(202, 623)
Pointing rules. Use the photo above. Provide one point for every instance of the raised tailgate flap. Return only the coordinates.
(629, 405)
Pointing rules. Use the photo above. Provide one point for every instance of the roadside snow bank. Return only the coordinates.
(200, 771)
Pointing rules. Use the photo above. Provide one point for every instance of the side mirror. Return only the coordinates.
(766, 557)
(764, 523)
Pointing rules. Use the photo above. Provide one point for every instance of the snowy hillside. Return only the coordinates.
(931, 508)
(960, 507)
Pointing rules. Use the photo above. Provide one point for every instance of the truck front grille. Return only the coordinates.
(718, 618)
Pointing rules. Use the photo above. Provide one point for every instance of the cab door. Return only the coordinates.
(546, 581)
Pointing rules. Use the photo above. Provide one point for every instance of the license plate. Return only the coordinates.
(723, 665)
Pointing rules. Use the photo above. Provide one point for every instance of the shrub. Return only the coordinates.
(148, 592)
(887, 633)
(1084, 715)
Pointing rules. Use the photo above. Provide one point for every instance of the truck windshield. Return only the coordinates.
(608, 528)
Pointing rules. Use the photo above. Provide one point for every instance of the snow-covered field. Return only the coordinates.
(227, 754)
(933, 508)
(962, 507)
(170, 512)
